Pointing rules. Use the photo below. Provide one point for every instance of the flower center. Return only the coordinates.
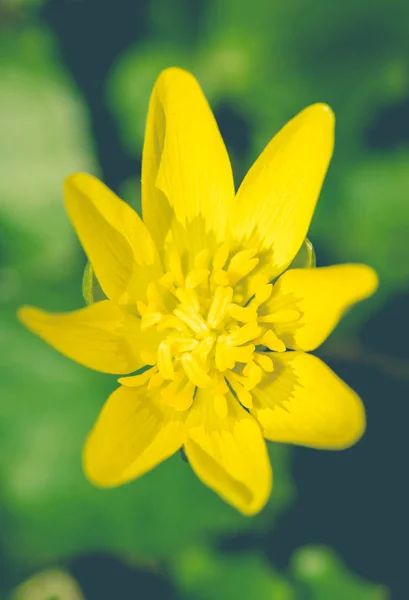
(216, 331)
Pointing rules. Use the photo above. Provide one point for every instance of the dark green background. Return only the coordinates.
(75, 78)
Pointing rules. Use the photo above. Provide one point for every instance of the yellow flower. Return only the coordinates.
(200, 293)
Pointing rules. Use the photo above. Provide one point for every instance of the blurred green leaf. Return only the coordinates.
(320, 575)
(52, 584)
(202, 575)
(45, 136)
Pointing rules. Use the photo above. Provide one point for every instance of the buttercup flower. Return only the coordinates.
(205, 302)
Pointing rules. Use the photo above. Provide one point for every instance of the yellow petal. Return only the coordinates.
(305, 403)
(116, 241)
(132, 435)
(101, 336)
(228, 453)
(321, 296)
(186, 171)
(277, 198)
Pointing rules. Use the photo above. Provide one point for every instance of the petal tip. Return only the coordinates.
(26, 314)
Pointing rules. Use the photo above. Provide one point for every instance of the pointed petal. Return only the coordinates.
(321, 296)
(277, 198)
(186, 170)
(305, 403)
(132, 435)
(101, 336)
(116, 241)
(228, 453)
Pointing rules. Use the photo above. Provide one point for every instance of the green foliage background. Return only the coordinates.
(259, 63)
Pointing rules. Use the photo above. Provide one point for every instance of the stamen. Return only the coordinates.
(188, 298)
(155, 382)
(255, 282)
(171, 322)
(223, 356)
(244, 334)
(241, 265)
(180, 345)
(243, 354)
(244, 314)
(253, 375)
(204, 347)
(178, 394)
(142, 307)
(175, 266)
(165, 360)
(154, 297)
(202, 260)
(220, 277)
(193, 320)
(263, 294)
(272, 341)
(195, 370)
(220, 257)
(264, 361)
(149, 319)
(196, 277)
(221, 300)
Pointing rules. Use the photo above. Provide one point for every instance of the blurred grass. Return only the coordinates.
(259, 64)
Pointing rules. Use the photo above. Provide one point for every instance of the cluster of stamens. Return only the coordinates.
(215, 331)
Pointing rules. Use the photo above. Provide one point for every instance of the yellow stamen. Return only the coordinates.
(253, 374)
(149, 319)
(171, 322)
(241, 265)
(188, 298)
(196, 277)
(165, 360)
(220, 277)
(262, 294)
(221, 300)
(154, 297)
(204, 347)
(272, 341)
(192, 320)
(175, 266)
(264, 361)
(223, 354)
(155, 381)
(178, 394)
(243, 354)
(244, 334)
(180, 345)
(195, 370)
(220, 257)
(243, 314)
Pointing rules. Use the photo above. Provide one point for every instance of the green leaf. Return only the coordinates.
(45, 136)
(320, 575)
(52, 584)
(200, 574)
